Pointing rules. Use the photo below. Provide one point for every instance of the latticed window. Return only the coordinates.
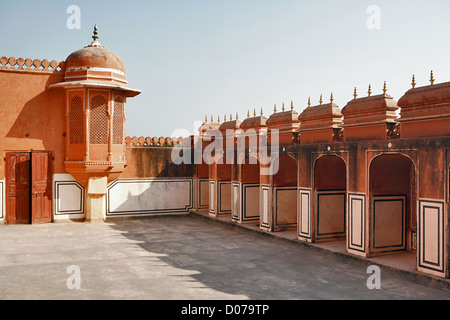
(76, 121)
(118, 121)
(98, 132)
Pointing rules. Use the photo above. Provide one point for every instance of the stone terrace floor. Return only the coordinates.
(183, 257)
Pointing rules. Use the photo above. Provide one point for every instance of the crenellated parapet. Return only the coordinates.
(148, 142)
(20, 64)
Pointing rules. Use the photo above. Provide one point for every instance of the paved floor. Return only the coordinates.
(180, 257)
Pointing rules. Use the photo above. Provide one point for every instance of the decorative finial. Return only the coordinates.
(261, 111)
(282, 108)
(225, 118)
(413, 84)
(384, 88)
(274, 108)
(206, 118)
(231, 117)
(355, 94)
(309, 102)
(218, 119)
(292, 105)
(331, 98)
(237, 116)
(370, 91)
(321, 100)
(254, 112)
(248, 113)
(95, 36)
(212, 120)
(432, 78)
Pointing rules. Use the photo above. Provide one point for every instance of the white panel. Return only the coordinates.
(212, 196)
(127, 197)
(431, 236)
(236, 194)
(356, 225)
(265, 206)
(69, 196)
(304, 212)
(356, 222)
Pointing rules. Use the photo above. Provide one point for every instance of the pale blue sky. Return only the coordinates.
(197, 57)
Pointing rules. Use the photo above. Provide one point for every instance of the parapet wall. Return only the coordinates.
(20, 64)
(152, 142)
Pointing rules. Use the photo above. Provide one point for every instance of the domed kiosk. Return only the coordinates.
(96, 91)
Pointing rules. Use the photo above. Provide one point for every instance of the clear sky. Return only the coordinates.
(196, 57)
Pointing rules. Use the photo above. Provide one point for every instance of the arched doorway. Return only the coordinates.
(330, 190)
(392, 212)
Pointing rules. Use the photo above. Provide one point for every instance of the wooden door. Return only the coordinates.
(17, 187)
(41, 187)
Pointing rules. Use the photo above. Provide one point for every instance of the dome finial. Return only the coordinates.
(95, 36)
(95, 43)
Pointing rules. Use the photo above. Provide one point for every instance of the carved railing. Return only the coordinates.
(150, 142)
(27, 64)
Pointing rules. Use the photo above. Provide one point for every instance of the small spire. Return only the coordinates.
(95, 36)
(321, 100)
(248, 113)
(355, 94)
(237, 116)
(274, 108)
(212, 120)
(370, 91)
(282, 108)
(206, 118)
(432, 78)
(225, 118)
(218, 119)
(261, 111)
(95, 43)
(384, 88)
(331, 98)
(309, 102)
(292, 105)
(231, 117)
(413, 83)
(254, 112)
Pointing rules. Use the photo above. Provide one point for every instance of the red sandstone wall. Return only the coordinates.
(31, 117)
